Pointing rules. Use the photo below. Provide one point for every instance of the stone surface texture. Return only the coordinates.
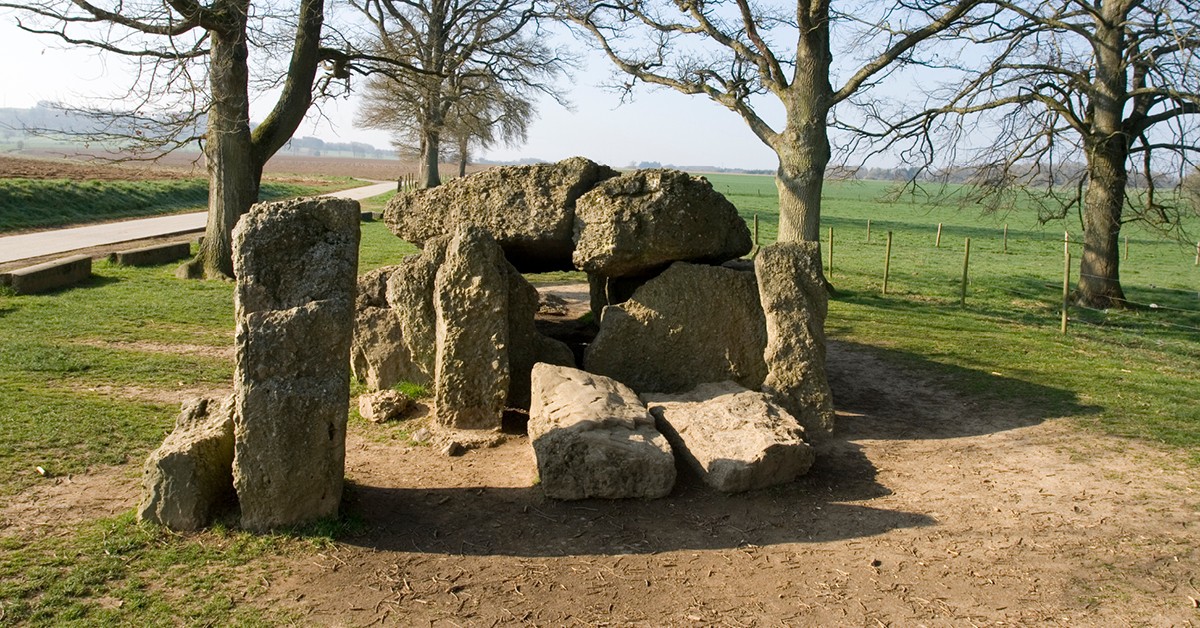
(735, 439)
(529, 210)
(384, 405)
(593, 438)
(795, 302)
(410, 290)
(642, 221)
(189, 478)
(470, 297)
(296, 263)
(691, 325)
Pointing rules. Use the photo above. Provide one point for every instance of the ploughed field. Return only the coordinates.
(984, 469)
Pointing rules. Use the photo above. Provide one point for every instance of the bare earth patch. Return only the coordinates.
(923, 508)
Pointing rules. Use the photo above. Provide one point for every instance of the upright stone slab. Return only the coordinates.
(189, 478)
(792, 289)
(690, 325)
(409, 294)
(296, 263)
(470, 297)
(736, 439)
(592, 437)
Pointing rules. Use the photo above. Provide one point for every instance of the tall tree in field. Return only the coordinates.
(462, 53)
(193, 55)
(1074, 97)
(485, 114)
(736, 51)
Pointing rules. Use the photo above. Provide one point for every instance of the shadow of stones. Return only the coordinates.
(890, 394)
(522, 522)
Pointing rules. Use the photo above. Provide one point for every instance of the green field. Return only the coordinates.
(79, 370)
(44, 203)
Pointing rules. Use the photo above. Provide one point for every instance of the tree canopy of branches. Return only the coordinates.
(483, 117)
(1074, 97)
(473, 63)
(192, 63)
(736, 51)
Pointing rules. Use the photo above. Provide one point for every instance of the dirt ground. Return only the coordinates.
(924, 508)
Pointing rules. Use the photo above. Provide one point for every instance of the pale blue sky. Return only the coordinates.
(658, 126)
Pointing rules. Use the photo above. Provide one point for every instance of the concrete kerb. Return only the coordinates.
(48, 276)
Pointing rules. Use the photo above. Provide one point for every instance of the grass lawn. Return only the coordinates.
(79, 369)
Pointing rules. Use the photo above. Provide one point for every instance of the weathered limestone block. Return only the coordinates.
(471, 370)
(529, 210)
(189, 478)
(690, 325)
(642, 221)
(592, 437)
(794, 299)
(736, 439)
(379, 357)
(410, 296)
(296, 263)
(384, 405)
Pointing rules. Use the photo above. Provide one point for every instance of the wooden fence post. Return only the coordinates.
(831, 252)
(962, 299)
(937, 244)
(1127, 248)
(756, 229)
(1006, 237)
(1066, 286)
(887, 261)
(1198, 252)
(868, 231)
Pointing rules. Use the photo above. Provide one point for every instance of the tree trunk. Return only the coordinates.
(1107, 149)
(463, 156)
(232, 186)
(1099, 268)
(429, 176)
(799, 180)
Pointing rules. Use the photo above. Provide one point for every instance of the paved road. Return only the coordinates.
(43, 243)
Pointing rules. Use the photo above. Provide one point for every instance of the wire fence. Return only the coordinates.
(1012, 276)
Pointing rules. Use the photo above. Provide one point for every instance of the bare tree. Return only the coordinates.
(485, 115)
(463, 54)
(1074, 98)
(735, 51)
(193, 56)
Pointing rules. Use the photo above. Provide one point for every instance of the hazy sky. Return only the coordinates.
(659, 125)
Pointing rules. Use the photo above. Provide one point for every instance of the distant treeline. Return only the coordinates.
(53, 122)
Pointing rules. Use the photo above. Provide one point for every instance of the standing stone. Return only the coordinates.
(642, 221)
(189, 478)
(735, 439)
(296, 263)
(379, 356)
(410, 290)
(471, 375)
(529, 210)
(592, 437)
(794, 299)
(690, 325)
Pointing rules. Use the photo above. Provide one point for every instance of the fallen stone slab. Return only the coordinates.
(384, 405)
(734, 438)
(48, 276)
(592, 437)
(152, 255)
(189, 479)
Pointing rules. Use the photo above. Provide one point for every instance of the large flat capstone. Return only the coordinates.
(592, 437)
(735, 439)
(529, 210)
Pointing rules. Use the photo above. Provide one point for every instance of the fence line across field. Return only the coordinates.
(1064, 302)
